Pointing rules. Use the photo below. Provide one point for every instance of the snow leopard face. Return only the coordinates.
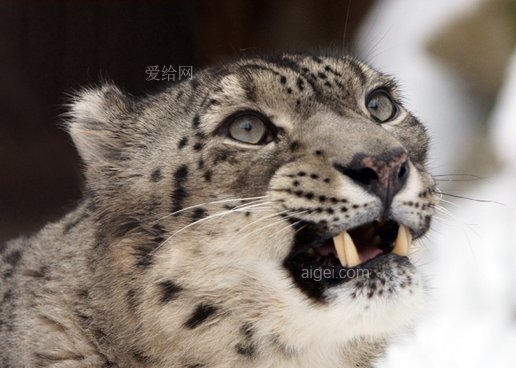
(275, 197)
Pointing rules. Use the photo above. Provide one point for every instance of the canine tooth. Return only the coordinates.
(351, 251)
(339, 247)
(403, 241)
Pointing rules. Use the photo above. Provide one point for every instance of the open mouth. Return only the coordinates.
(315, 249)
(365, 243)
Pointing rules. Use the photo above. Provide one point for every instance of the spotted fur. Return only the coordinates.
(175, 256)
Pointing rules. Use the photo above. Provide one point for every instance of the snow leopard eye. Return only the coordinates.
(380, 105)
(250, 128)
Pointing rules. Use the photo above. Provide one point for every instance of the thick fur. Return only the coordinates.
(174, 256)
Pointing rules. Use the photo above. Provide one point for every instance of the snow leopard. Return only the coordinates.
(260, 214)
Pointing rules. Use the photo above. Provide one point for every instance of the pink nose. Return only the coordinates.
(382, 175)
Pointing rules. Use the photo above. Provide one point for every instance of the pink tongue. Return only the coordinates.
(369, 253)
(326, 249)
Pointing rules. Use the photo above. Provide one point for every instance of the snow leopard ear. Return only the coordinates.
(96, 121)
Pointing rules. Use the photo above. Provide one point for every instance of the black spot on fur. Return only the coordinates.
(182, 143)
(143, 253)
(332, 71)
(207, 175)
(247, 330)
(179, 194)
(140, 357)
(196, 121)
(197, 146)
(126, 226)
(199, 213)
(317, 59)
(158, 229)
(85, 319)
(99, 334)
(156, 175)
(169, 291)
(13, 258)
(245, 349)
(201, 314)
(294, 146)
(283, 79)
(220, 157)
(181, 174)
(300, 84)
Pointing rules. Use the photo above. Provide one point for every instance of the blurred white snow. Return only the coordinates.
(470, 256)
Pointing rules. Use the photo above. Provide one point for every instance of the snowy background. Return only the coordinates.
(470, 255)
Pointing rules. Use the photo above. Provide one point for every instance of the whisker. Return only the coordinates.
(247, 206)
(256, 221)
(269, 225)
(443, 210)
(473, 177)
(260, 219)
(207, 203)
(471, 199)
(285, 228)
(449, 202)
(251, 207)
(223, 213)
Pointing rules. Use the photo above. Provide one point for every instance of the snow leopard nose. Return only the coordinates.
(382, 175)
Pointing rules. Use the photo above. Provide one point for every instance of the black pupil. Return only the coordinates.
(373, 104)
(246, 125)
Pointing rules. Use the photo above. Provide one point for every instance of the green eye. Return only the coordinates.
(250, 129)
(380, 106)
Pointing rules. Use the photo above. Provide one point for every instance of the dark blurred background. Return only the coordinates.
(50, 48)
